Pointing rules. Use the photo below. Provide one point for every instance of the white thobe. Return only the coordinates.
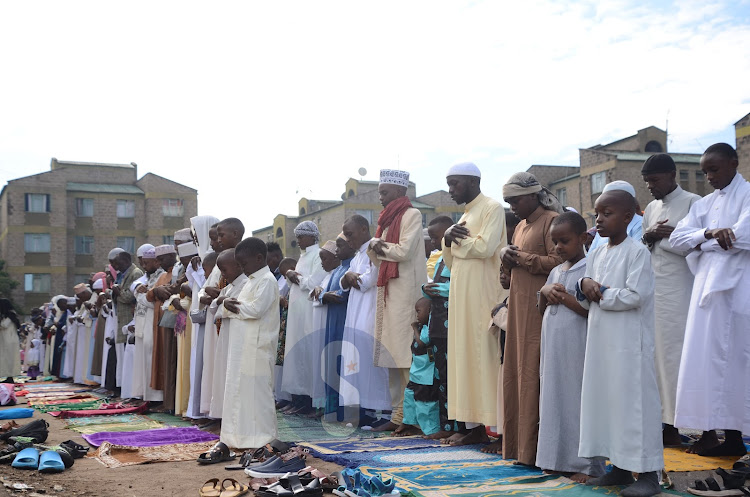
(209, 344)
(362, 383)
(249, 414)
(110, 331)
(71, 345)
(296, 376)
(713, 391)
(128, 361)
(196, 279)
(221, 353)
(674, 282)
(316, 343)
(144, 344)
(620, 407)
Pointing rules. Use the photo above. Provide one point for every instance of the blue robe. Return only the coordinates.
(334, 335)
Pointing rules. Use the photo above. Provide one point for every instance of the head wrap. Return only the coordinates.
(81, 288)
(329, 246)
(164, 250)
(619, 185)
(307, 228)
(526, 183)
(394, 177)
(658, 163)
(100, 276)
(98, 285)
(187, 249)
(142, 249)
(114, 253)
(201, 226)
(464, 169)
(183, 235)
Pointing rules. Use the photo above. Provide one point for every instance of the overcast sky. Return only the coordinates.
(258, 103)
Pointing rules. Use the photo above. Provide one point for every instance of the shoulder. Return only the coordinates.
(413, 213)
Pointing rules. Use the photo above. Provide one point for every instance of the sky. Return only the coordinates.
(256, 104)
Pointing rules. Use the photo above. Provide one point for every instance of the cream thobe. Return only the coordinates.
(317, 343)
(209, 344)
(713, 391)
(674, 283)
(196, 279)
(71, 346)
(182, 381)
(10, 349)
(249, 414)
(620, 407)
(144, 344)
(473, 354)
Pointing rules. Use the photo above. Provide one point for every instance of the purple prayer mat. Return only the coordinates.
(151, 438)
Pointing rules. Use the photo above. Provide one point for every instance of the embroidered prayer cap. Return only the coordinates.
(149, 253)
(114, 253)
(80, 288)
(72, 301)
(187, 249)
(464, 169)
(307, 228)
(524, 183)
(183, 235)
(98, 285)
(619, 185)
(164, 250)
(142, 249)
(394, 177)
(658, 163)
(329, 246)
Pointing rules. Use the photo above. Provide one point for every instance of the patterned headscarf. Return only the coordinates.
(307, 228)
(526, 183)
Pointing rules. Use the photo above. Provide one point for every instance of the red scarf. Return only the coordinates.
(390, 218)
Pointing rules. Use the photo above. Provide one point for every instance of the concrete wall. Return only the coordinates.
(742, 143)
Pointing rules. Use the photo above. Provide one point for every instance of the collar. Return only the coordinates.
(672, 195)
(364, 246)
(535, 215)
(731, 187)
(578, 264)
(260, 272)
(314, 246)
(474, 202)
(239, 278)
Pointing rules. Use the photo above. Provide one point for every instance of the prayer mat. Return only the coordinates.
(676, 459)
(118, 427)
(103, 420)
(301, 429)
(389, 458)
(151, 438)
(168, 419)
(369, 445)
(116, 456)
(101, 412)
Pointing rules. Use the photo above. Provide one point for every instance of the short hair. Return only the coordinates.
(511, 219)
(576, 222)
(423, 301)
(287, 260)
(723, 149)
(226, 254)
(273, 247)
(233, 223)
(126, 255)
(442, 220)
(210, 258)
(252, 246)
(359, 221)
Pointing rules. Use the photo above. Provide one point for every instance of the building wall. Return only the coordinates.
(742, 143)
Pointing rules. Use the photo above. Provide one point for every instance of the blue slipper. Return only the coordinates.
(26, 459)
(51, 462)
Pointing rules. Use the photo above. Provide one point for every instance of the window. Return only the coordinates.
(81, 278)
(172, 207)
(302, 211)
(84, 245)
(36, 242)
(598, 180)
(127, 243)
(653, 146)
(279, 233)
(456, 216)
(700, 183)
(85, 207)
(351, 193)
(562, 195)
(367, 214)
(37, 202)
(424, 220)
(126, 208)
(684, 179)
(37, 283)
(167, 240)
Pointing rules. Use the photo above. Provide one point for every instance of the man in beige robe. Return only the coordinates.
(398, 251)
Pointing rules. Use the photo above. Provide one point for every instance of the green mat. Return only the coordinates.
(300, 429)
(168, 419)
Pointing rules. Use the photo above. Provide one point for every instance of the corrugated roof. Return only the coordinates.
(637, 156)
(103, 188)
(420, 205)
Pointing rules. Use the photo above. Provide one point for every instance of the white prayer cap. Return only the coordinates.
(619, 185)
(187, 249)
(329, 246)
(98, 284)
(72, 300)
(394, 177)
(464, 169)
(183, 235)
(425, 234)
(142, 249)
(164, 250)
(570, 209)
(149, 253)
(114, 253)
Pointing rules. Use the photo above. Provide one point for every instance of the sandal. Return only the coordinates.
(710, 488)
(75, 449)
(732, 480)
(218, 453)
(742, 465)
(210, 489)
(9, 426)
(247, 459)
(234, 489)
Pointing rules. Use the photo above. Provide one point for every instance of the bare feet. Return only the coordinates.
(389, 426)
(579, 477)
(477, 435)
(707, 441)
(670, 436)
(439, 435)
(453, 438)
(495, 447)
(407, 431)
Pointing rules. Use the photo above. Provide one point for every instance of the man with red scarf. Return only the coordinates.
(398, 251)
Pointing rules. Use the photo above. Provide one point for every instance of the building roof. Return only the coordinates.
(638, 156)
(132, 165)
(742, 118)
(104, 188)
(566, 178)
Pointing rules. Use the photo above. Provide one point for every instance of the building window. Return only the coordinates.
(598, 180)
(456, 216)
(81, 278)
(37, 202)
(172, 207)
(37, 283)
(85, 207)
(700, 183)
(302, 211)
(279, 233)
(126, 208)
(367, 214)
(84, 245)
(424, 220)
(562, 195)
(684, 179)
(653, 147)
(127, 243)
(351, 193)
(36, 242)
(167, 239)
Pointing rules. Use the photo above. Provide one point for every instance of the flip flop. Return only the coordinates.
(75, 449)
(210, 489)
(218, 453)
(234, 490)
(26, 459)
(51, 462)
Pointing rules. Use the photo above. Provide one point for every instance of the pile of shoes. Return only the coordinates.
(734, 481)
(354, 484)
(306, 475)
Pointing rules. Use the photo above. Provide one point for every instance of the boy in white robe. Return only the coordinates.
(144, 331)
(249, 415)
(620, 406)
(713, 389)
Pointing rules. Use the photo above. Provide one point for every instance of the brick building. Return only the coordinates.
(57, 227)
(359, 197)
(742, 143)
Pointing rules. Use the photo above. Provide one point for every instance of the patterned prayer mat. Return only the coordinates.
(115, 456)
(119, 427)
(369, 445)
(103, 420)
(299, 429)
(676, 459)
(168, 419)
(400, 457)
(151, 438)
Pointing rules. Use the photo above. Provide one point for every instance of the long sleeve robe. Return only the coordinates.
(674, 283)
(144, 343)
(335, 321)
(316, 343)
(209, 343)
(162, 341)
(10, 350)
(473, 354)
(713, 391)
